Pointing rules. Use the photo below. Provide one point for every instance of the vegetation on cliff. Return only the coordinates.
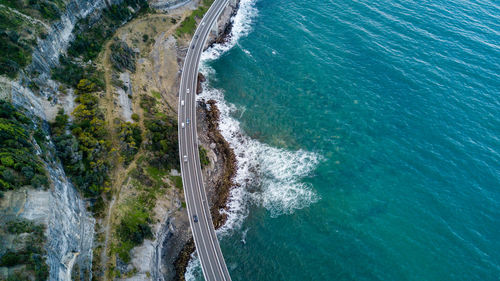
(46, 9)
(21, 23)
(18, 164)
(83, 146)
(26, 254)
(90, 38)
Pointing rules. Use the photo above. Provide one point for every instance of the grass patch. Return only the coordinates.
(188, 25)
(160, 115)
(156, 94)
(177, 180)
(156, 174)
(133, 229)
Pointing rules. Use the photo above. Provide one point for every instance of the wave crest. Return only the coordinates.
(242, 25)
(266, 176)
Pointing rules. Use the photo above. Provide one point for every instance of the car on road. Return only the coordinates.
(187, 121)
(182, 102)
(187, 91)
(192, 47)
(195, 218)
(182, 125)
(185, 158)
(196, 37)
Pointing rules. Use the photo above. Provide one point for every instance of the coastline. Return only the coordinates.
(218, 177)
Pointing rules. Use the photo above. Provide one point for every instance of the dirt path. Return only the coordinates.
(119, 173)
(117, 166)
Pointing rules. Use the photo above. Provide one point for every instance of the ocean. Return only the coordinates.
(367, 135)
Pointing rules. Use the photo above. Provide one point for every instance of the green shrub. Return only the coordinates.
(31, 254)
(18, 167)
(19, 226)
(49, 10)
(7, 161)
(71, 73)
(85, 151)
(130, 136)
(163, 143)
(122, 56)
(149, 105)
(14, 54)
(135, 117)
(203, 156)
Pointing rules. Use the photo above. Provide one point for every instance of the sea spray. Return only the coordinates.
(266, 176)
(241, 26)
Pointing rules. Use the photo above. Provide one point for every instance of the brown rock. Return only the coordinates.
(201, 79)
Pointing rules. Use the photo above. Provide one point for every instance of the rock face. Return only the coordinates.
(70, 228)
(70, 231)
(46, 55)
(167, 4)
(200, 79)
(223, 25)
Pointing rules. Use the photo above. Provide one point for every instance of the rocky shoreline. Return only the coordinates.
(76, 240)
(218, 179)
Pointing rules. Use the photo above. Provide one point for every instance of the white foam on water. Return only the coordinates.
(242, 25)
(193, 270)
(266, 176)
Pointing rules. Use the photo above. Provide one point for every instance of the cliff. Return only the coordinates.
(69, 227)
(77, 246)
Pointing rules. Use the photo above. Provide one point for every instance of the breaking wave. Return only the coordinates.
(266, 176)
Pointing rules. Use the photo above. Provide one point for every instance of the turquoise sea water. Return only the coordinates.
(370, 146)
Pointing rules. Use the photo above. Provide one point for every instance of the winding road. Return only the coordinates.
(205, 239)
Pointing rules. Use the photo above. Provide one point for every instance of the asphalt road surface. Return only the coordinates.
(207, 245)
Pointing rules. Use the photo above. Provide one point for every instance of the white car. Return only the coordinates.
(182, 102)
(182, 125)
(187, 91)
(185, 158)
